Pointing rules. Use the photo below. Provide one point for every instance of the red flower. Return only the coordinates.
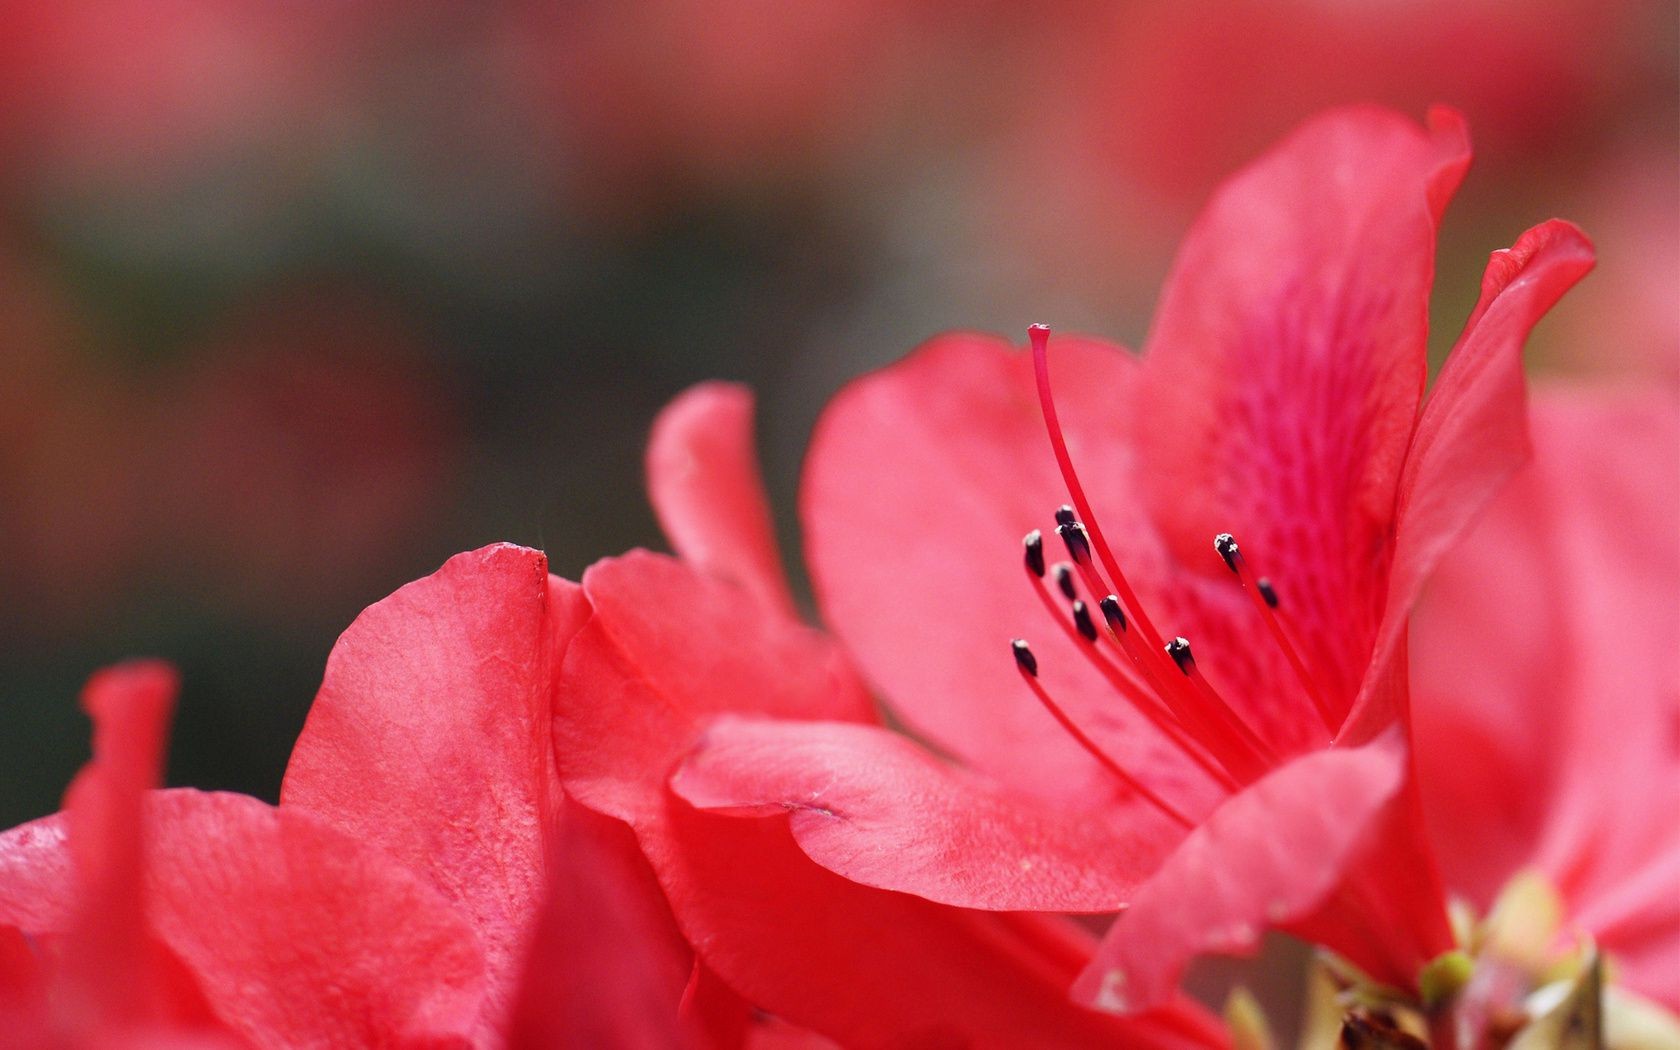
(1281, 400)
(1546, 651)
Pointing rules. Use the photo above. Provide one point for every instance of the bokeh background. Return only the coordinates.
(300, 298)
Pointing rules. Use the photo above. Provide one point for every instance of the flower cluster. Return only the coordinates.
(657, 807)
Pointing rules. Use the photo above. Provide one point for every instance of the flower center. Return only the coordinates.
(1156, 675)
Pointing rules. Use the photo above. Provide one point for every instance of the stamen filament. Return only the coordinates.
(1264, 599)
(1029, 675)
(1039, 336)
(1252, 753)
(1145, 703)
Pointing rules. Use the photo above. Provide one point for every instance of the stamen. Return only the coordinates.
(1065, 515)
(1112, 613)
(1082, 620)
(1264, 598)
(1076, 540)
(1024, 658)
(1148, 655)
(1063, 572)
(1179, 650)
(1027, 663)
(1138, 694)
(1033, 544)
(1039, 336)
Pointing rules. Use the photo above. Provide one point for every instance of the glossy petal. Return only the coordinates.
(1286, 363)
(1473, 433)
(663, 653)
(1270, 855)
(607, 966)
(430, 738)
(869, 804)
(704, 482)
(923, 579)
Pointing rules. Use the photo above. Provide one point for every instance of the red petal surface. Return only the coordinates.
(922, 479)
(37, 877)
(666, 649)
(871, 805)
(704, 482)
(301, 935)
(1567, 762)
(1271, 854)
(430, 738)
(1286, 363)
(1474, 430)
(870, 968)
(607, 966)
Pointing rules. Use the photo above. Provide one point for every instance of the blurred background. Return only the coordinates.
(300, 298)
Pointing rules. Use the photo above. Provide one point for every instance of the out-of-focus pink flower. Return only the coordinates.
(1625, 323)
(653, 95)
(138, 92)
(1547, 693)
(1177, 94)
(1259, 782)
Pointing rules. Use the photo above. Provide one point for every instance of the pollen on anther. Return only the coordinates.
(1063, 572)
(1112, 613)
(1179, 650)
(1082, 620)
(1264, 586)
(1024, 658)
(1078, 542)
(1226, 545)
(1065, 515)
(1033, 545)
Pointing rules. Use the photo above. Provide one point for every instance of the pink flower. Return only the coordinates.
(1263, 780)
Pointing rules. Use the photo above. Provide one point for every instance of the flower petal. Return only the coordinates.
(894, 970)
(869, 804)
(269, 907)
(1272, 854)
(430, 738)
(923, 579)
(703, 480)
(1473, 433)
(607, 965)
(666, 648)
(1286, 363)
